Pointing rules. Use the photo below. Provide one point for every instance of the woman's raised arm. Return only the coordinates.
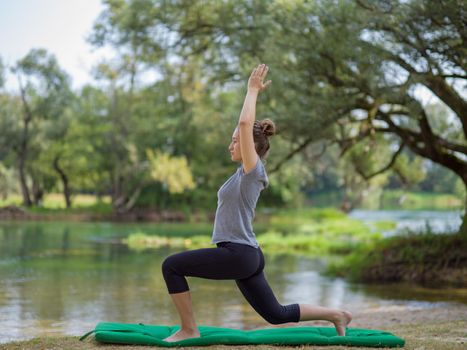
(247, 117)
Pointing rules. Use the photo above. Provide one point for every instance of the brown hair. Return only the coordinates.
(262, 130)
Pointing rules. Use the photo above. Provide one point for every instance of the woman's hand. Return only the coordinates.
(255, 82)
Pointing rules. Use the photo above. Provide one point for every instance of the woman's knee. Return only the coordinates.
(168, 265)
(275, 319)
(176, 282)
(282, 314)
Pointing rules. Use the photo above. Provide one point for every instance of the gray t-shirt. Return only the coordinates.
(236, 205)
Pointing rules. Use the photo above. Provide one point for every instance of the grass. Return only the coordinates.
(141, 241)
(424, 336)
(400, 200)
(391, 199)
(439, 336)
(312, 232)
(395, 200)
(54, 203)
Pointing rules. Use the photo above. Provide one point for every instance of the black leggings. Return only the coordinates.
(240, 262)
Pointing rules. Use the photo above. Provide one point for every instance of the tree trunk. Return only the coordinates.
(448, 95)
(134, 197)
(463, 228)
(23, 149)
(37, 192)
(22, 179)
(65, 182)
(119, 197)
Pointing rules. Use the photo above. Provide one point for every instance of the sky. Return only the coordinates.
(60, 26)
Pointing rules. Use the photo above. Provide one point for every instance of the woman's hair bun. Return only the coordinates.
(268, 127)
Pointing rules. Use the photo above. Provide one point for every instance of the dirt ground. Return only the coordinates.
(434, 328)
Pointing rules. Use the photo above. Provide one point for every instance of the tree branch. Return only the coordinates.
(346, 144)
(313, 157)
(457, 76)
(291, 154)
(387, 167)
(438, 85)
(412, 139)
(449, 96)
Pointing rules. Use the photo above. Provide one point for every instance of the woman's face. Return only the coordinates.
(234, 147)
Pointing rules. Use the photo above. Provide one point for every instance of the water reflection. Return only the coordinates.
(57, 278)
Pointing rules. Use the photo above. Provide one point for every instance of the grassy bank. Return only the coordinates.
(394, 200)
(424, 258)
(312, 232)
(402, 200)
(353, 249)
(54, 203)
(91, 208)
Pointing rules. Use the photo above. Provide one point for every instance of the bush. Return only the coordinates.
(425, 258)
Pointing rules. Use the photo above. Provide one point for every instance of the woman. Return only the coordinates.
(238, 255)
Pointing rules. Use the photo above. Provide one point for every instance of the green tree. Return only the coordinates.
(358, 62)
(45, 93)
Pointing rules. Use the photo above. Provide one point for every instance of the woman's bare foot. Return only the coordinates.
(342, 321)
(183, 334)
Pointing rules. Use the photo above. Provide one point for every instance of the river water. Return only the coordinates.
(414, 221)
(62, 278)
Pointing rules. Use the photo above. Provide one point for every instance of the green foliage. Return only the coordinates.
(348, 96)
(47, 85)
(410, 257)
(394, 199)
(318, 244)
(307, 232)
(173, 172)
(8, 183)
(305, 215)
(384, 225)
(2, 73)
(55, 204)
(409, 171)
(99, 208)
(397, 199)
(440, 180)
(140, 241)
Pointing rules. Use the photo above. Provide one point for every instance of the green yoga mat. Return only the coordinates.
(141, 334)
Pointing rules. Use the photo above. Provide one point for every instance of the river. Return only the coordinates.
(61, 278)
